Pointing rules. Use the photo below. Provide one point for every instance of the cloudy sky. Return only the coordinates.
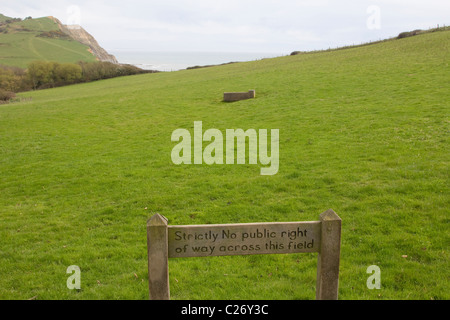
(278, 26)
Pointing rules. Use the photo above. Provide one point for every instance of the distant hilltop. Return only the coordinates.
(77, 33)
(30, 39)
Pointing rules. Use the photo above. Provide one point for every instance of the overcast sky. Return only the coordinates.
(278, 26)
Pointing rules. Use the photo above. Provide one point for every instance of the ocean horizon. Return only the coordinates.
(174, 61)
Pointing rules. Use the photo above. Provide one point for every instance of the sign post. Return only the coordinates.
(158, 258)
(329, 257)
(165, 241)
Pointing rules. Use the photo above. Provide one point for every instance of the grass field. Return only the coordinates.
(21, 45)
(364, 131)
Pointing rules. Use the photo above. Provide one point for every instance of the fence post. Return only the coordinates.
(158, 258)
(329, 256)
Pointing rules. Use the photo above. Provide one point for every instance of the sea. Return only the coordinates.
(174, 61)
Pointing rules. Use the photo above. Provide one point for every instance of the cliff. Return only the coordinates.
(77, 33)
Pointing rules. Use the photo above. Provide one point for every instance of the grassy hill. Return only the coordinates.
(364, 131)
(4, 18)
(24, 41)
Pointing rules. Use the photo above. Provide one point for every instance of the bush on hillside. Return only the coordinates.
(54, 35)
(45, 74)
(92, 71)
(5, 95)
(13, 79)
(409, 34)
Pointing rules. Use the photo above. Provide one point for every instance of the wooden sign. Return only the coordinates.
(243, 239)
(322, 236)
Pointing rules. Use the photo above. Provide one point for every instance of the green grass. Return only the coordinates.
(364, 131)
(4, 18)
(21, 45)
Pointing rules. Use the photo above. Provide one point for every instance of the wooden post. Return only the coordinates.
(329, 256)
(158, 258)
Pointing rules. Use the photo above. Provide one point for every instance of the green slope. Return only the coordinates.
(20, 44)
(4, 18)
(363, 131)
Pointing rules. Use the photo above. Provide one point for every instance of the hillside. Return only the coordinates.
(46, 39)
(77, 33)
(3, 18)
(363, 131)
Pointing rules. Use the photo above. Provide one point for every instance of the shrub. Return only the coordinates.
(5, 95)
(13, 79)
(40, 73)
(54, 35)
(409, 34)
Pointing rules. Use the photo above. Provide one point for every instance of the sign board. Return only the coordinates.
(243, 239)
(322, 236)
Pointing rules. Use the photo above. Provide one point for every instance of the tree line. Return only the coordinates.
(47, 74)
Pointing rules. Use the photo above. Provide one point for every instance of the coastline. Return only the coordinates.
(174, 61)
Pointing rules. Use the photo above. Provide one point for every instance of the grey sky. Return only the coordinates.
(236, 25)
